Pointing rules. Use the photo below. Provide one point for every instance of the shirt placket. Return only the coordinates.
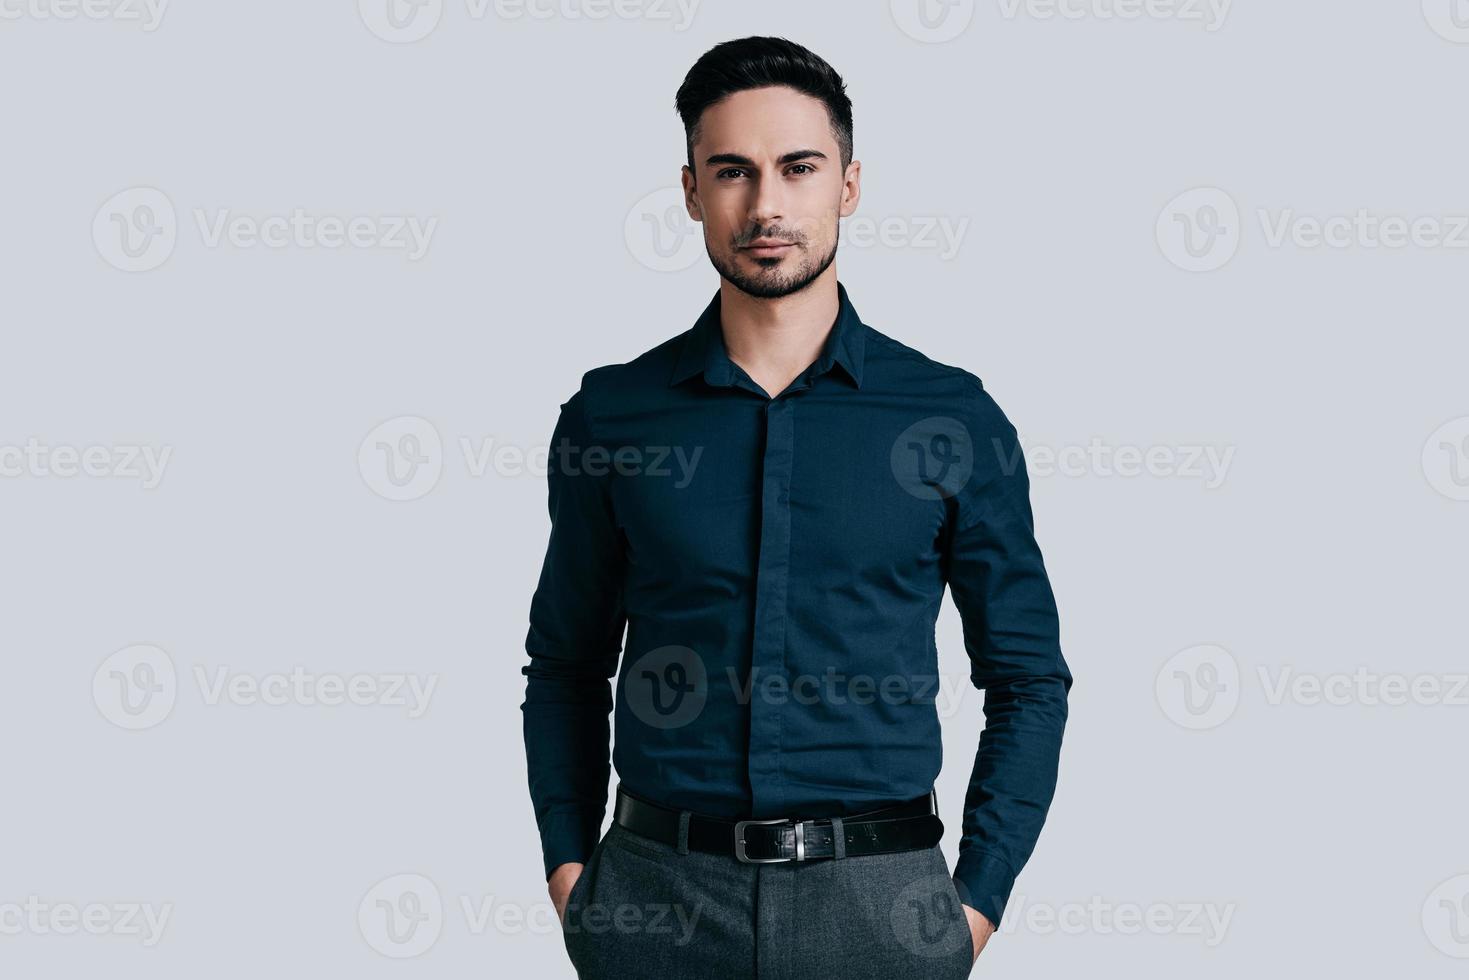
(768, 664)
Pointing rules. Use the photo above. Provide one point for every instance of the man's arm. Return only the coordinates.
(1012, 636)
(576, 626)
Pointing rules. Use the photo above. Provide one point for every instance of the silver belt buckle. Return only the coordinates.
(739, 843)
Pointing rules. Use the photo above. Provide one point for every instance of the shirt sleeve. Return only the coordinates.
(576, 627)
(1011, 634)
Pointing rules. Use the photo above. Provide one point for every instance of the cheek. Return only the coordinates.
(721, 227)
(818, 227)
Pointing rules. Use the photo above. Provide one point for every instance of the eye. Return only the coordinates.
(807, 166)
(732, 170)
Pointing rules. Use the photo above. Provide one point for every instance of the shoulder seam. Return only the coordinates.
(586, 409)
(911, 354)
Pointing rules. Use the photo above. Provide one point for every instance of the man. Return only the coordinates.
(771, 504)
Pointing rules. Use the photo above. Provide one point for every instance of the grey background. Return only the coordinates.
(1332, 833)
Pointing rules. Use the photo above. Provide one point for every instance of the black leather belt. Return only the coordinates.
(904, 827)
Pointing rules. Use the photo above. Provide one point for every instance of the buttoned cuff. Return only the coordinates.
(569, 837)
(983, 881)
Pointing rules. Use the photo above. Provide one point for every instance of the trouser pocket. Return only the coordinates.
(577, 900)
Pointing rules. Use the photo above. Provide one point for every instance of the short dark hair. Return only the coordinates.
(758, 62)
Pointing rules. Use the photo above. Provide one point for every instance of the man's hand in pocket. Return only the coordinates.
(562, 880)
(980, 929)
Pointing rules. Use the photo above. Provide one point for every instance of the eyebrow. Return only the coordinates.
(744, 161)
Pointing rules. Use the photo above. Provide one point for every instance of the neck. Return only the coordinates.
(774, 340)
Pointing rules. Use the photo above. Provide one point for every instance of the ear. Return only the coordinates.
(851, 189)
(690, 193)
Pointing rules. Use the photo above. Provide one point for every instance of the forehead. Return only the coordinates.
(765, 122)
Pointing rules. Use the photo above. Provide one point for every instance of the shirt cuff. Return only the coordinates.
(569, 837)
(983, 881)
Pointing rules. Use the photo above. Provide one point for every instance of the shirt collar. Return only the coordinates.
(703, 348)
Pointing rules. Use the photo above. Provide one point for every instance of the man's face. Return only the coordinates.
(768, 186)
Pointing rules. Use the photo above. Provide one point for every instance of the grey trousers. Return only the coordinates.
(646, 909)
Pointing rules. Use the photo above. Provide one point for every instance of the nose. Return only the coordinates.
(768, 206)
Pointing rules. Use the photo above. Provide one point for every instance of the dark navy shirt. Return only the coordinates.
(777, 565)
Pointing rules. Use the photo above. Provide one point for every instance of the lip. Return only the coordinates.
(767, 246)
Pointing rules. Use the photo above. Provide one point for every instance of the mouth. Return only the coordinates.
(763, 247)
